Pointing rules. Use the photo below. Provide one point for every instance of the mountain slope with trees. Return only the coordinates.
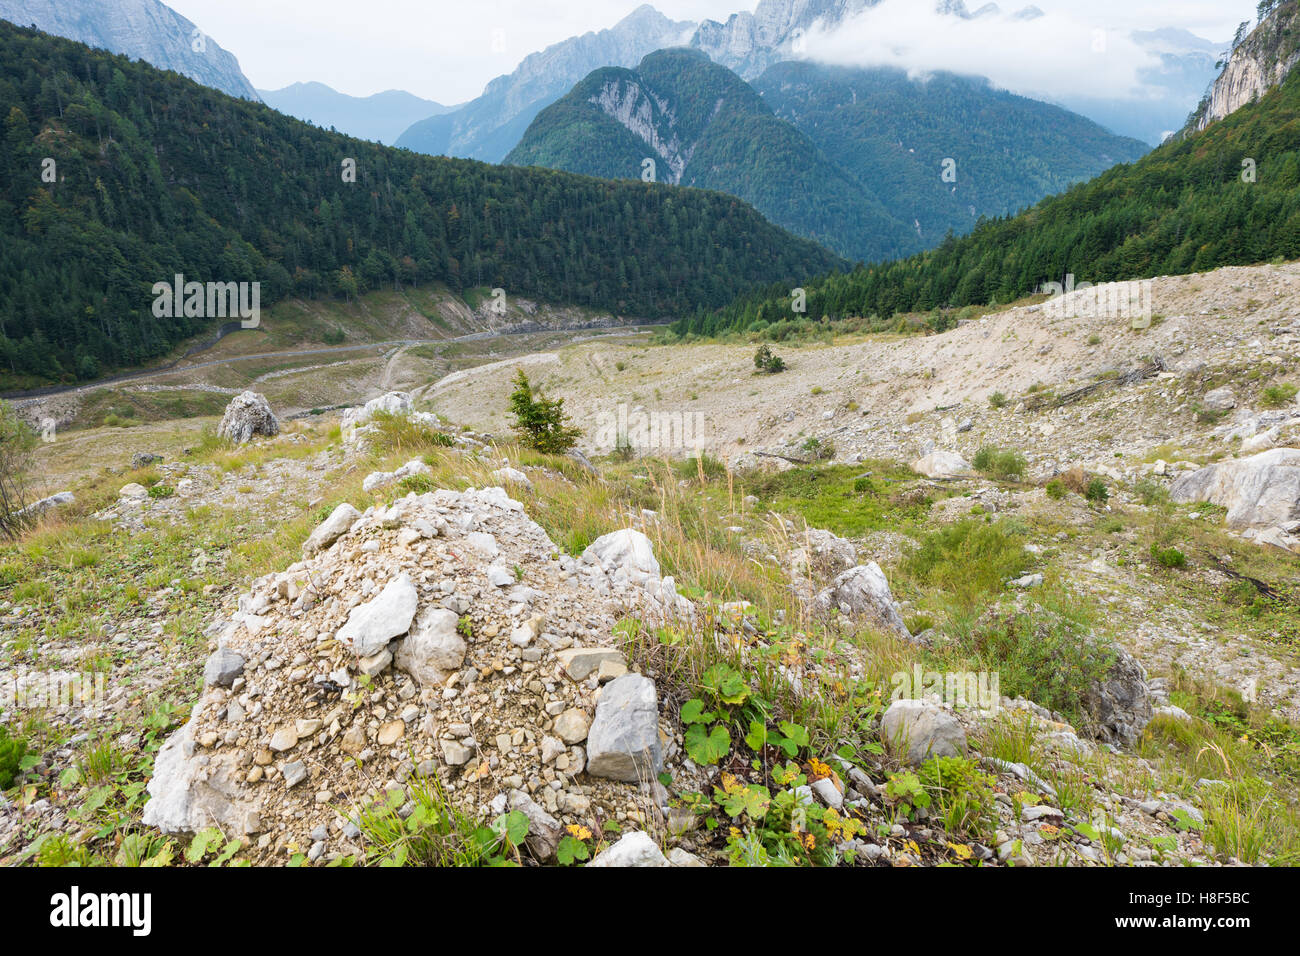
(1229, 195)
(115, 176)
(703, 126)
(943, 151)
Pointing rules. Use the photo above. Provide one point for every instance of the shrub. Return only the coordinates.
(968, 559)
(541, 424)
(1151, 492)
(1096, 492)
(12, 751)
(1043, 656)
(17, 445)
(1056, 489)
(1275, 396)
(998, 400)
(767, 361)
(1168, 557)
(997, 463)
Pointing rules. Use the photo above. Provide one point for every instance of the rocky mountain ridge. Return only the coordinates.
(142, 29)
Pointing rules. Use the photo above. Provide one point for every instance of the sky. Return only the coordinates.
(447, 50)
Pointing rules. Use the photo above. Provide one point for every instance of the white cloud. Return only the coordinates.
(1059, 54)
(443, 49)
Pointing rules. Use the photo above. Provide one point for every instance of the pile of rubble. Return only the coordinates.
(445, 634)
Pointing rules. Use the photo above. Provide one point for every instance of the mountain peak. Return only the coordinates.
(1260, 63)
(142, 29)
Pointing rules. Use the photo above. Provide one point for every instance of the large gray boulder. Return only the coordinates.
(915, 730)
(392, 403)
(626, 555)
(1262, 491)
(863, 593)
(373, 624)
(248, 414)
(1119, 705)
(632, 849)
(222, 668)
(433, 649)
(331, 529)
(942, 464)
(623, 741)
(188, 794)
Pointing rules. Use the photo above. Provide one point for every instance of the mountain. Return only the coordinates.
(1187, 65)
(1258, 64)
(141, 29)
(381, 117)
(155, 175)
(894, 134)
(703, 126)
(749, 43)
(489, 127)
(1225, 195)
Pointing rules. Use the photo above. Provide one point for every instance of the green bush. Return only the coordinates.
(998, 400)
(767, 361)
(542, 424)
(1097, 492)
(968, 559)
(1056, 489)
(997, 463)
(12, 751)
(1275, 396)
(1168, 557)
(1043, 656)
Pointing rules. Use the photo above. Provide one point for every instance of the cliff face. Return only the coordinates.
(141, 29)
(1261, 62)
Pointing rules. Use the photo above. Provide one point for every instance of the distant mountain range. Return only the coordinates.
(748, 43)
(1188, 206)
(685, 120)
(141, 29)
(489, 127)
(869, 163)
(380, 118)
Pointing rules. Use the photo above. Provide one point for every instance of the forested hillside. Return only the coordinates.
(704, 126)
(154, 175)
(1227, 196)
(943, 151)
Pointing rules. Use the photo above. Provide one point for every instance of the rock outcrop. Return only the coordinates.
(247, 415)
(387, 655)
(916, 730)
(863, 593)
(1261, 493)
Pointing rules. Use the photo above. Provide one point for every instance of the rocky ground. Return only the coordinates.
(377, 636)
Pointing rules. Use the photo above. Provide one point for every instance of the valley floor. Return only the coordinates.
(996, 569)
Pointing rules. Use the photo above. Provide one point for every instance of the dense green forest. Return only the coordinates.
(155, 175)
(722, 136)
(1227, 196)
(893, 134)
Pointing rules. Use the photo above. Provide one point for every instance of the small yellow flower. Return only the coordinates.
(809, 841)
(578, 831)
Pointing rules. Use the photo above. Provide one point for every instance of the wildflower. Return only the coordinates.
(578, 831)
